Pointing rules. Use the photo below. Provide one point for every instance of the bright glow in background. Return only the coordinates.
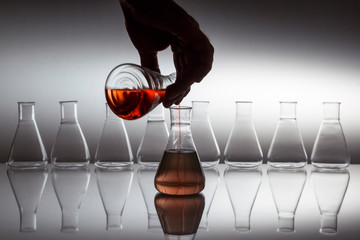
(265, 51)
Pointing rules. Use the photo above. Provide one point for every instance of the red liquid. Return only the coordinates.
(133, 104)
(180, 173)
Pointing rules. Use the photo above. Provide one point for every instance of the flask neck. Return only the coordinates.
(180, 133)
(331, 110)
(288, 110)
(68, 111)
(243, 109)
(200, 110)
(26, 110)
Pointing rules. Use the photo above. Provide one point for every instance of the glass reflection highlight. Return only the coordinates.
(242, 186)
(286, 187)
(114, 187)
(70, 185)
(330, 187)
(28, 186)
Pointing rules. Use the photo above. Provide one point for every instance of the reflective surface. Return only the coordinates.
(326, 193)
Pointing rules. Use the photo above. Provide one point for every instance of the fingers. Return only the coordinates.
(149, 60)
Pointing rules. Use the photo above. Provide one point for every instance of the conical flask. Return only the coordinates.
(70, 148)
(132, 91)
(180, 171)
(27, 149)
(203, 134)
(114, 148)
(287, 148)
(154, 140)
(330, 148)
(243, 147)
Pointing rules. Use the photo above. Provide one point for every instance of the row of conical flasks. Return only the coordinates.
(242, 148)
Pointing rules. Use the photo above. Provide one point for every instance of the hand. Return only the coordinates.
(154, 25)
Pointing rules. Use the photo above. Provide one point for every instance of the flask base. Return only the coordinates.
(27, 165)
(70, 164)
(287, 164)
(243, 164)
(209, 164)
(113, 165)
(330, 165)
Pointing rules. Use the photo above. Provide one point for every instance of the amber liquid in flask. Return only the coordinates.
(180, 171)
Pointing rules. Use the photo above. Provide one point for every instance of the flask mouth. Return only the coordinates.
(180, 107)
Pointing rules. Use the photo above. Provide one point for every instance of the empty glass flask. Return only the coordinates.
(132, 91)
(114, 148)
(287, 148)
(203, 134)
(243, 147)
(180, 171)
(154, 140)
(330, 149)
(70, 148)
(27, 149)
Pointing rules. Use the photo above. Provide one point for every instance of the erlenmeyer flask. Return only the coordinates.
(114, 148)
(243, 147)
(179, 215)
(203, 134)
(27, 149)
(70, 148)
(287, 148)
(132, 91)
(150, 150)
(180, 171)
(330, 148)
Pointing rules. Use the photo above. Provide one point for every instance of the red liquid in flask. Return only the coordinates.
(180, 173)
(133, 104)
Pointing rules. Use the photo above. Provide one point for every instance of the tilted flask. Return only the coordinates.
(330, 149)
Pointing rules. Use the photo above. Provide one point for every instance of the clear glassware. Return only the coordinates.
(208, 149)
(150, 151)
(242, 185)
(179, 215)
(70, 148)
(243, 148)
(212, 178)
(287, 148)
(330, 149)
(146, 182)
(132, 91)
(114, 187)
(286, 187)
(70, 185)
(114, 148)
(28, 186)
(180, 171)
(27, 149)
(330, 187)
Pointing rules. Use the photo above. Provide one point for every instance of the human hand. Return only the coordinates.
(154, 25)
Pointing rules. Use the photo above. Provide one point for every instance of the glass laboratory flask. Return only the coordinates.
(150, 150)
(180, 171)
(243, 147)
(203, 134)
(287, 148)
(132, 91)
(70, 148)
(27, 149)
(114, 148)
(330, 148)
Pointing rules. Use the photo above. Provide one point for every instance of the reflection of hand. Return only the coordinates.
(153, 25)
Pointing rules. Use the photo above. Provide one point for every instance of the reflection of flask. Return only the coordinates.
(330, 148)
(114, 148)
(203, 134)
(27, 149)
(242, 186)
(70, 185)
(27, 185)
(150, 151)
(287, 148)
(132, 91)
(114, 186)
(180, 171)
(330, 188)
(70, 147)
(243, 147)
(179, 215)
(286, 187)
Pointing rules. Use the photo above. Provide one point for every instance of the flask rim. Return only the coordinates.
(30, 103)
(180, 107)
(288, 102)
(243, 101)
(68, 101)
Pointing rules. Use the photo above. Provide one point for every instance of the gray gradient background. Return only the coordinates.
(265, 51)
